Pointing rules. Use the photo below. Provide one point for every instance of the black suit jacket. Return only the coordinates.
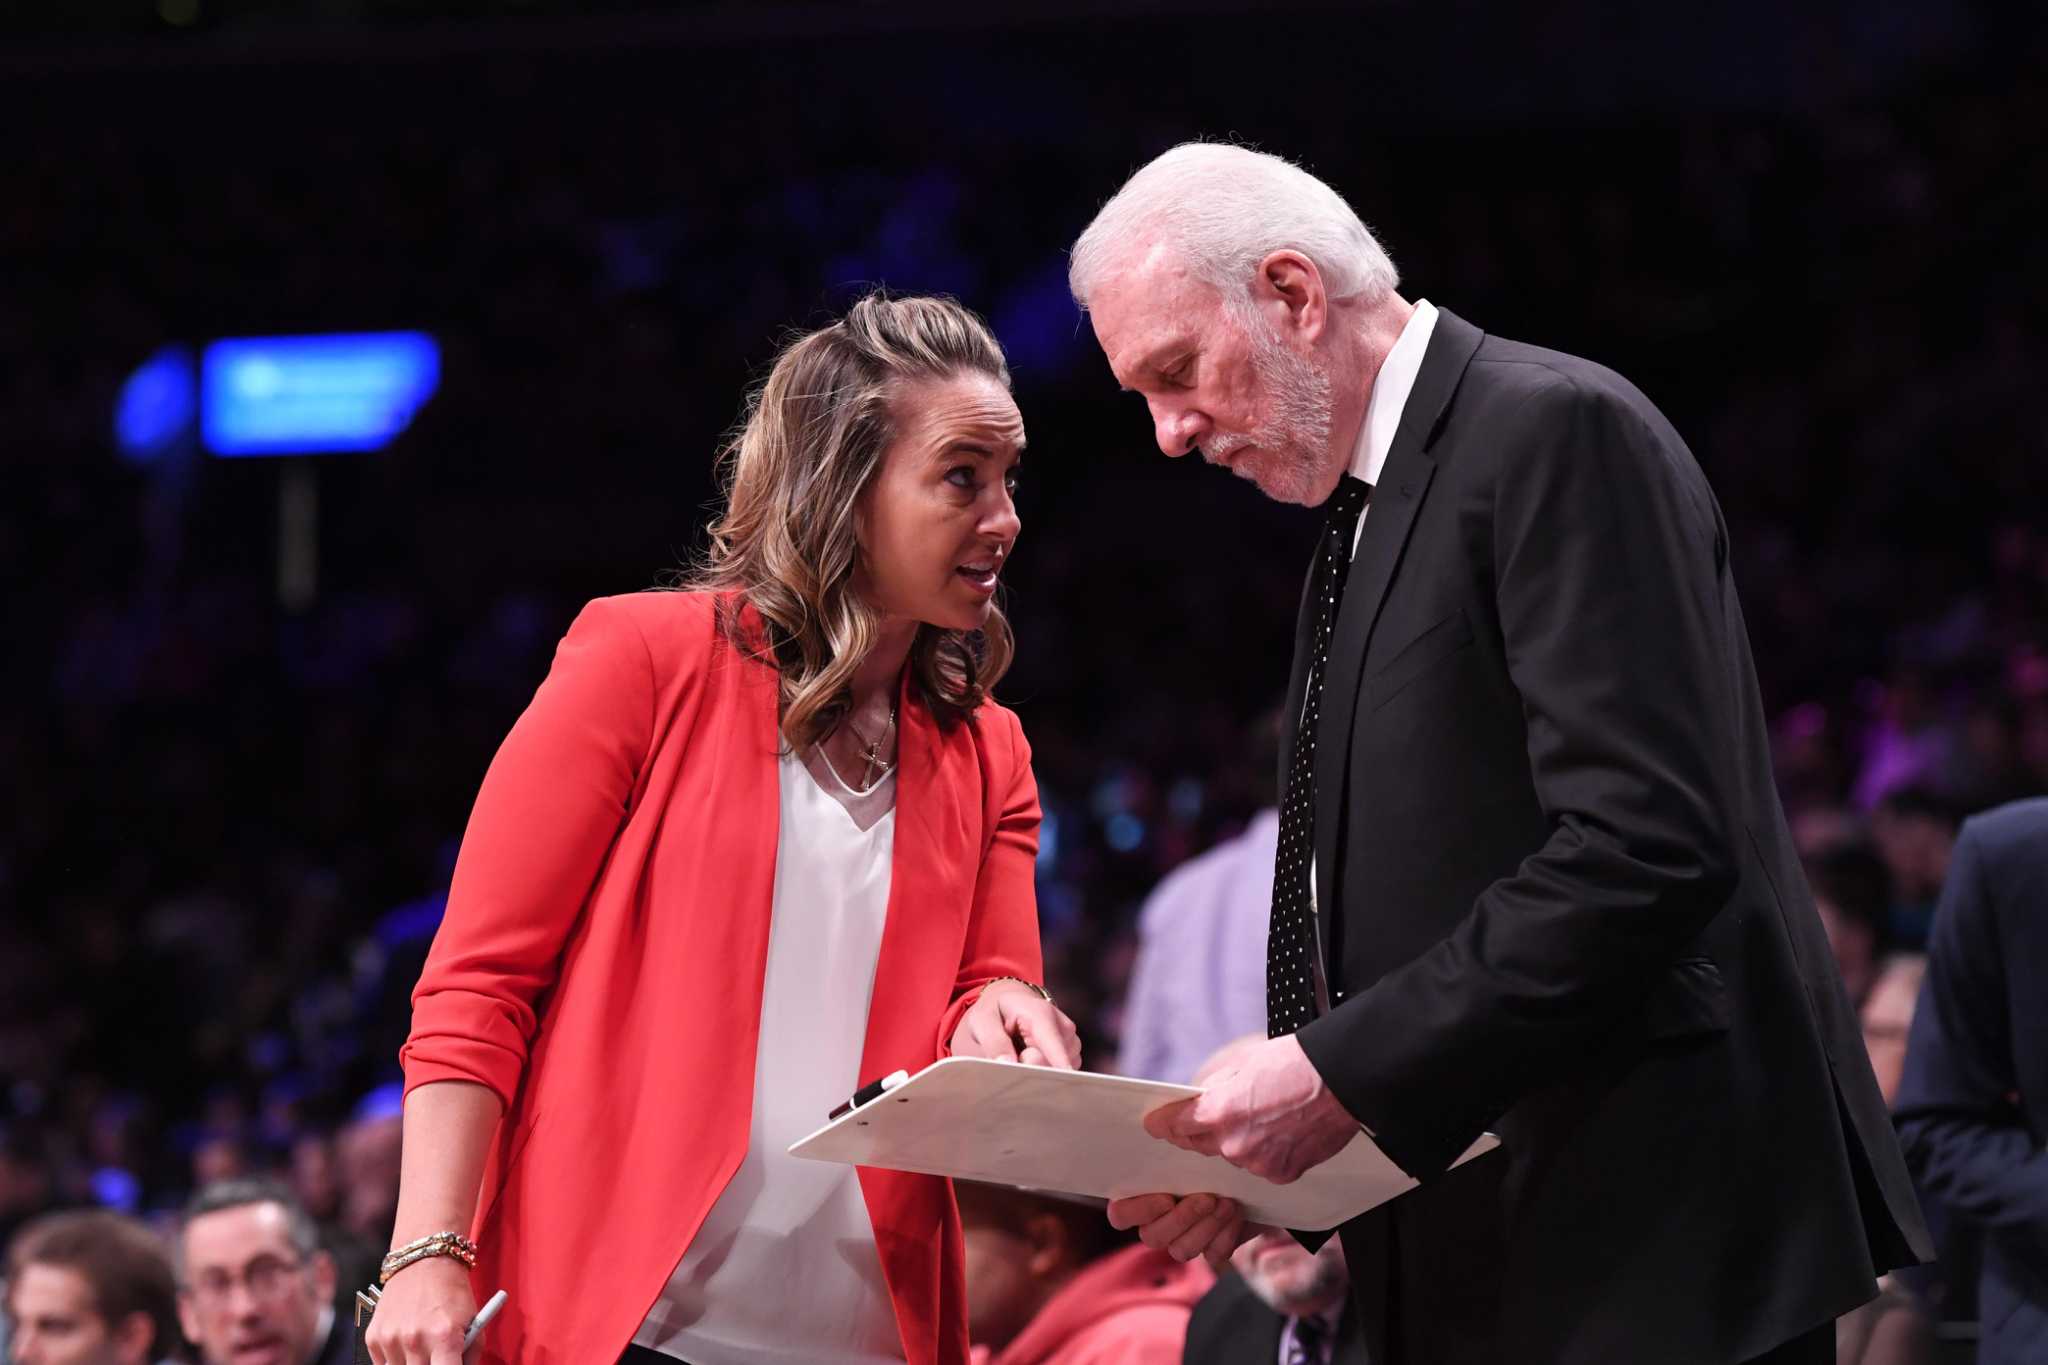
(1973, 1104)
(1559, 900)
(1232, 1326)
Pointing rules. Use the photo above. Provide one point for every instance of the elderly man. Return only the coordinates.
(90, 1288)
(255, 1287)
(1533, 875)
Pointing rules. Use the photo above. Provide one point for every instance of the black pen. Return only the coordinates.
(869, 1093)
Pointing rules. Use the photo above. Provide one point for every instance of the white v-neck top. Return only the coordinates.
(784, 1270)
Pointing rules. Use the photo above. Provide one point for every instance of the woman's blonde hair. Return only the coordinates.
(808, 447)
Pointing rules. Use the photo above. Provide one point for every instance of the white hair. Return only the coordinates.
(1226, 208)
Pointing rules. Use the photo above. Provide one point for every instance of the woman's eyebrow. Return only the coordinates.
(979, 449)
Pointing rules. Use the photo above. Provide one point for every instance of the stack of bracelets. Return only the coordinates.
(438, 1244)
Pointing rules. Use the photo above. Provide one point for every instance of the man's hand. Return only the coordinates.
(1197, 1225)
(1268, 1113)
(1013, 1023)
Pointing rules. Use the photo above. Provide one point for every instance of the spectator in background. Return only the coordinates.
(366, 1155)
(255, 1286)
(1049, 1282)
(1853, 892)
(1895, 1328)
(1973, 1106)
(316, 1176)
(1283, 1303)
(1199, 979)
(1916, 834)
(316, 1181)
(90, 1288)
(1886, 1013)
(218, 1157)
(1910, 743)
(27, 1185)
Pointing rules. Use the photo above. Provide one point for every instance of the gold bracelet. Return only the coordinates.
(434, 1244)
(1041, 992)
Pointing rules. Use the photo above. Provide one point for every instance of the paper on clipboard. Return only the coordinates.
(1080, 1133)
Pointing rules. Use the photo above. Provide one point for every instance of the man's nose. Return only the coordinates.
(241, 1302)
(1178, 430)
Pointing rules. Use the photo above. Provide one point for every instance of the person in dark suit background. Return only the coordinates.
(1973, 1104)
(1284, 1305)
(1530, 791)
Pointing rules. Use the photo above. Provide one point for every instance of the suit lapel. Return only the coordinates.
(1404, 482)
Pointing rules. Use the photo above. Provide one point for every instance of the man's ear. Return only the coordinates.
(135, 1340)
(188, 1316)
(325, 1276)
(1289, 285)
(1047, 1236)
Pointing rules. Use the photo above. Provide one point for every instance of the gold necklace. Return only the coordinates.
(872, 754)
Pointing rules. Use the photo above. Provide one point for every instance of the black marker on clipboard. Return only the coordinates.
(869, 1093)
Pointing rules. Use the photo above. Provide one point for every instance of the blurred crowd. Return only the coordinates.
(225, 826)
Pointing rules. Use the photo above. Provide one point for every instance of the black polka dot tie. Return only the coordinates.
(1291, 941)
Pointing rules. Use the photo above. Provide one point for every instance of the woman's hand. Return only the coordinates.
(1013, 1023)
(423, 1314)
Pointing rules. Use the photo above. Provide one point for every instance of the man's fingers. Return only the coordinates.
(1202, 1233)
(1226, 1241)
(1164, 1232)
(1138, 1209)
(1188, 1128)
(1160, 1122)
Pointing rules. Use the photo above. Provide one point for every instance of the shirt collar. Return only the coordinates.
(1390, 389)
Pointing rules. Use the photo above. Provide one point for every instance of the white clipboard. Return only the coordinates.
(1076, 1132)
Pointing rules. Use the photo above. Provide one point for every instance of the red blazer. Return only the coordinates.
(600, 968)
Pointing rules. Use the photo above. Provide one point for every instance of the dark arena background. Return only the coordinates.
(249, 697)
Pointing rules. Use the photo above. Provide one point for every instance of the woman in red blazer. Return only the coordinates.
(580, 1076)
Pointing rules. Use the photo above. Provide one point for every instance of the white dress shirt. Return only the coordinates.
(784, 1270)
(1390, 390)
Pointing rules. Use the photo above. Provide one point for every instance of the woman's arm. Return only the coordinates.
(421, 1318)
(545, 818)
(448, 1126)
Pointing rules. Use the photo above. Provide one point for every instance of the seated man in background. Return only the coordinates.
(90, 1288)
(1049, 1282)
(255, 1287)
(1283, 1305)
(1973, 1106)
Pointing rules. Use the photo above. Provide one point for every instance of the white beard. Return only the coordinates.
(1294, 441)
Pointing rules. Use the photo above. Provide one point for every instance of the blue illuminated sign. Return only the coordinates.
(157, 406)
(306, 395)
